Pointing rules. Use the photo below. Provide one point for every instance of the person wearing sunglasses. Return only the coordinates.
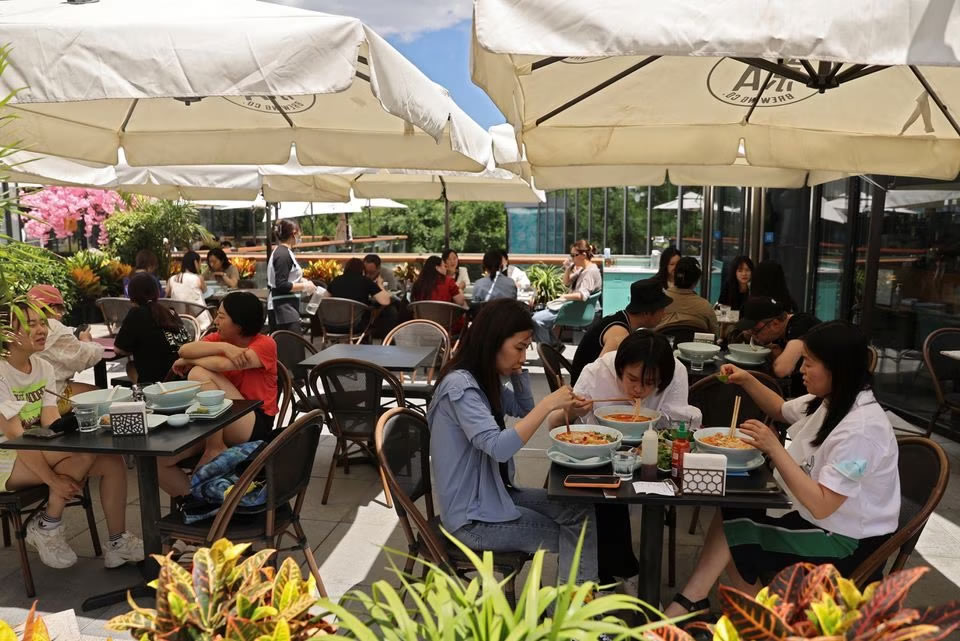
(582, 278)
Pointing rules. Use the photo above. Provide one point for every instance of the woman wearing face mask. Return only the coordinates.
(643, 368)
(286, 284)
(840, 471)
(472, 449)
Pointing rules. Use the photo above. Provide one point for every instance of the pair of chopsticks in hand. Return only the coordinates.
(736, 414)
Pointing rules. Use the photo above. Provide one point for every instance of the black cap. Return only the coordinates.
(647, 296)
(757, 309)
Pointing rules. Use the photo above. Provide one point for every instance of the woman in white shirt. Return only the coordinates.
(188, 286)
(643, 368)
(840, 471)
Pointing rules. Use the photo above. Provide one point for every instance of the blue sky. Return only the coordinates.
(433, 35)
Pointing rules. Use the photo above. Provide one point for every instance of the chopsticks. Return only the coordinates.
(736, 415)
(566, 414)
(179, 389)
(614, 400)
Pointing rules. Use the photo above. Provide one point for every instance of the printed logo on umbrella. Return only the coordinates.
(264, 104)
(737, 84)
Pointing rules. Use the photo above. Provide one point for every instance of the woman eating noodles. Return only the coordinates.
(242, 362)
(472, 449)
(839, 471)
(643, 369)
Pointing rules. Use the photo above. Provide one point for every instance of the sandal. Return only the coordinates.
(693, 606)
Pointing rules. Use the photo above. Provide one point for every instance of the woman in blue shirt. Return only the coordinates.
(472, 449)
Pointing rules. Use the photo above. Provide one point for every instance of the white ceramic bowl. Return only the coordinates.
(586, 451)
(178, 420)
(211, 398)
(632, 430)
(699, 351)
(733, 455)
(173, 398)
(98, 398)
(745, 352)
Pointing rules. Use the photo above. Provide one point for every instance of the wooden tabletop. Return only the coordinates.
(161, 441)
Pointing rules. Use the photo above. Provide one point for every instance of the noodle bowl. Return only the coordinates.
(714, 440)
(585, 441)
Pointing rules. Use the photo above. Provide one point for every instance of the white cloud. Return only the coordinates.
(406, 19)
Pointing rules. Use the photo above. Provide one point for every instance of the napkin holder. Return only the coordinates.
(704, 337)
(704, 474)
(128, 419)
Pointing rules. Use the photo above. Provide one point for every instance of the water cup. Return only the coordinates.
(88, 419)
(623, 463)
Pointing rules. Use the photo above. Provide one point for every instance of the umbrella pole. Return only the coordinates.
(446, 213)
(267, 212)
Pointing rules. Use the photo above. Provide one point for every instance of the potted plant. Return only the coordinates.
(547, 283)
(322, 271)
(406, 274)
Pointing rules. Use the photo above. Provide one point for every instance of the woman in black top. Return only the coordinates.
(152, 333)
(736, 286)
(285, 280)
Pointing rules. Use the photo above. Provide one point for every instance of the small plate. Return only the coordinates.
(212, 412)
(752, 464)
(169, 409)
(561, 459)
(739, 361)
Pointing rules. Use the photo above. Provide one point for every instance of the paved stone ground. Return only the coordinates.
(349, 533)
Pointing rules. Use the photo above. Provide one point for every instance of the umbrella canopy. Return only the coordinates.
(682, 83)
(182, 82)
(354, 206)
(739, 174)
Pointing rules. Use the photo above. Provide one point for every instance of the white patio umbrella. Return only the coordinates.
(865, 86)
(182, 82)
(353, 206)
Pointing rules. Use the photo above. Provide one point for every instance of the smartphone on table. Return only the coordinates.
(603, 481)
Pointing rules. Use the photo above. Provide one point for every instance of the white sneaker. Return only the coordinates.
(127, 549)
(51, 545)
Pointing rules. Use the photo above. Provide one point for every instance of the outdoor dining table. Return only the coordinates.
(109, 354)
(758, 491)
(161, 441)
(394, 358)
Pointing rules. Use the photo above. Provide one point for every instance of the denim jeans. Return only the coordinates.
(543, 322)
(543, 523)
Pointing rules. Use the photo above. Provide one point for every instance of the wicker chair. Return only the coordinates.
(303, 401)
(553, 365)
(342, 320)
(114, 310)
(420, 333)
(191, 325)
(944, 370)
(924, 473)
(403, 448)
(449, 316)
(353, 405)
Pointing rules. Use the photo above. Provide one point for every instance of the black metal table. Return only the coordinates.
(162, 441)
(744, 492)
(394, 358)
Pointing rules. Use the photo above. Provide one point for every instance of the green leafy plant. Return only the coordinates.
(806, 601)
(227, 597)
(449, 608)
(158, 225)
(547, 282)
(34, 628)
(95, 273)
(27, 265)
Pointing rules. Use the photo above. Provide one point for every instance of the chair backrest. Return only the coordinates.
(445, 314)
(422, 333)
(183, 307)
(352, 392)
(944, 369)
(402, 441)
(191, 325)
(114, 310)
(924, 473)
(872, 357)
(287, 462)
(680, 333)
(578, 313)
(284, 394)
(292, 348)
(553, 364)
(342, 318)
(715, 399)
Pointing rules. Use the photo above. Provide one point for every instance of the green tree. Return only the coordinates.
(158, 225)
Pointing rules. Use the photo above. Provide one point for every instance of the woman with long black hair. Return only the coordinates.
(736, 286)
(472, 449)
(668, 263)
(434, 283)
(840, 472)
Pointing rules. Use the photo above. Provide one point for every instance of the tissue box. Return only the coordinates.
(703, 337)
(128, 419)
(705, 474)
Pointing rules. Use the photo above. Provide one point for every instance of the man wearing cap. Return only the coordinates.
(765, 320)
(647, 302)
(68, 351)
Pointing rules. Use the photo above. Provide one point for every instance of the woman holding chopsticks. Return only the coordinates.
(472, 448)
(840, 471)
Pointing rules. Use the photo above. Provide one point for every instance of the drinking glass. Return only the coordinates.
(623, 463)
(696, 365)
(88, 418)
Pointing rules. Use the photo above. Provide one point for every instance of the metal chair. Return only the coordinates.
(403, 449)
(191, 325)
(284, 395)
(680, 333)
(577, 314)
(284, 465)
(303, 401)
(182, 307)
(448, 315)
(114, 310)
(15, 503)
(553, 365)
(420, 333)
(353, 404)
(343, 319)
(924, 473)
(943, 370)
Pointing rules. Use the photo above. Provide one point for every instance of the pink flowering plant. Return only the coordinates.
(60, 209)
